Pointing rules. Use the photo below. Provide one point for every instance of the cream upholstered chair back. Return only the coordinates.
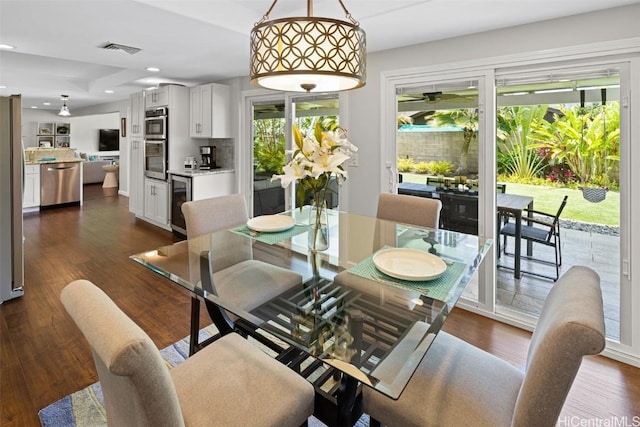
(219, 213)
(420, 211)
(213, 214)
(571, 326)
(135, 380)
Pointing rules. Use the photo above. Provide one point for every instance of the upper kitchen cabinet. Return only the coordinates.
(156, 97)
(136, 120)
(209, 111)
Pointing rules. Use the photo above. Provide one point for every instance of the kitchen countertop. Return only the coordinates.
(200, 172)
(40, 162)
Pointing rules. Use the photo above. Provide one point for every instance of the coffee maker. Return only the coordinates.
(208, 153)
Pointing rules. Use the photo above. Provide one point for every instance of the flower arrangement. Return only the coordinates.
(314, 161)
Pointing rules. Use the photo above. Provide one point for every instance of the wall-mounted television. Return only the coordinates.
(109, 140)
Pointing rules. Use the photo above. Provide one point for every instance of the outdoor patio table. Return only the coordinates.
(514, 204)
(373, 335)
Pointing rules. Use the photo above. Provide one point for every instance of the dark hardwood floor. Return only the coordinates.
(43, 356)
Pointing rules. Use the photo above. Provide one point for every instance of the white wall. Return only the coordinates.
(120, 107)
(85, 129)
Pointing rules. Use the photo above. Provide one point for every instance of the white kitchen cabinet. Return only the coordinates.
(156, 202)
(136, 121)
(136, 178)
(204, 186)
(156, 97)
(31, 199)
(209, 111)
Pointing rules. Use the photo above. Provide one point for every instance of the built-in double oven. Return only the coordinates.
(156, 143)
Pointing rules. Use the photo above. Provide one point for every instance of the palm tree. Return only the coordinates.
(465, 119)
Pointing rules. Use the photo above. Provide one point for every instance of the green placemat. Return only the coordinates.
(270, 238)
(437, 288)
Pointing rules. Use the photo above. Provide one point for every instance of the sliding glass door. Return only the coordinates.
(560, 136)
(272, 121)
(437, 153)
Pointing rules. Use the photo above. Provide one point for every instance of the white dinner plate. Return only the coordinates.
(409, 264)
(271, 223)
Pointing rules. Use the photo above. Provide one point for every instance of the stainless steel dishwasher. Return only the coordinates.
(60, 183)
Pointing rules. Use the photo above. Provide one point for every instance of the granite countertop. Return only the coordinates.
(200, 172)
(43, 161)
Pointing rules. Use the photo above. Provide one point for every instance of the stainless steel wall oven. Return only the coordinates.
(156, 159)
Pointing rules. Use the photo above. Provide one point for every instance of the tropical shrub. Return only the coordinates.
(406, 165)
(422, 168)
(441, 167)
(516, 150)
(269, 157)
(584, 140)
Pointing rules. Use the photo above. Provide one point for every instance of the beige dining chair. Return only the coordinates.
(420, 211)
(230, 382)
(241, 281)
(412, 210)
(457, 384)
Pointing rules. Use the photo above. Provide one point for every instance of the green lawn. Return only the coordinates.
(548, 199)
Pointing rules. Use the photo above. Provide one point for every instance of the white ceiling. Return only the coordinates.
(57, 42)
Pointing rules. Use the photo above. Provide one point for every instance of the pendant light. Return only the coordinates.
(308, 54)
(64, 110)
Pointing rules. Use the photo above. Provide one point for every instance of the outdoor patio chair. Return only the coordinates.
(457, 384)
(544, 229)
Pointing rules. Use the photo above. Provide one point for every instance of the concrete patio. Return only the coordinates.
(598, 251)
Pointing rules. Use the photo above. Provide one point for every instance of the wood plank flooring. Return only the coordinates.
(43, 356)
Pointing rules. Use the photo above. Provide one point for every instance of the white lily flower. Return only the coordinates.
(319, 158)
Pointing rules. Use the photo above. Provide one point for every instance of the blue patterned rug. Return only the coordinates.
(85, 408)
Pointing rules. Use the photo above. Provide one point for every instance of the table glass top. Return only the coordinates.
(349, 314)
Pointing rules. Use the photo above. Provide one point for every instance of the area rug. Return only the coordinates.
(85, 408)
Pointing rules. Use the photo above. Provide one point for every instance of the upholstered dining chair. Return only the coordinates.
(230, 383)
(458, 384)
(412, 210)
(244, 282)
(420, 211)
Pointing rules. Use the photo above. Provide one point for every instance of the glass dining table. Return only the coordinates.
(367, 308)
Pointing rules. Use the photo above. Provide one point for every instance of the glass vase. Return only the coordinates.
(318, 236)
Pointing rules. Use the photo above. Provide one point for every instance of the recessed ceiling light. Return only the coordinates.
(46, 103)
(153, 69)
(34, 107)
(108, 91)
(6, 46)
(3, 87)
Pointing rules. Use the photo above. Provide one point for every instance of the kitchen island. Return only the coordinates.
(53, 177)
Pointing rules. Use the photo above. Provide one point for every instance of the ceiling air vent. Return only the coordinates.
(115, 46)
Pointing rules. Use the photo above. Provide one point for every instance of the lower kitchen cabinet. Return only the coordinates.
(31, 198)
(156, 202)
(136, 183)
